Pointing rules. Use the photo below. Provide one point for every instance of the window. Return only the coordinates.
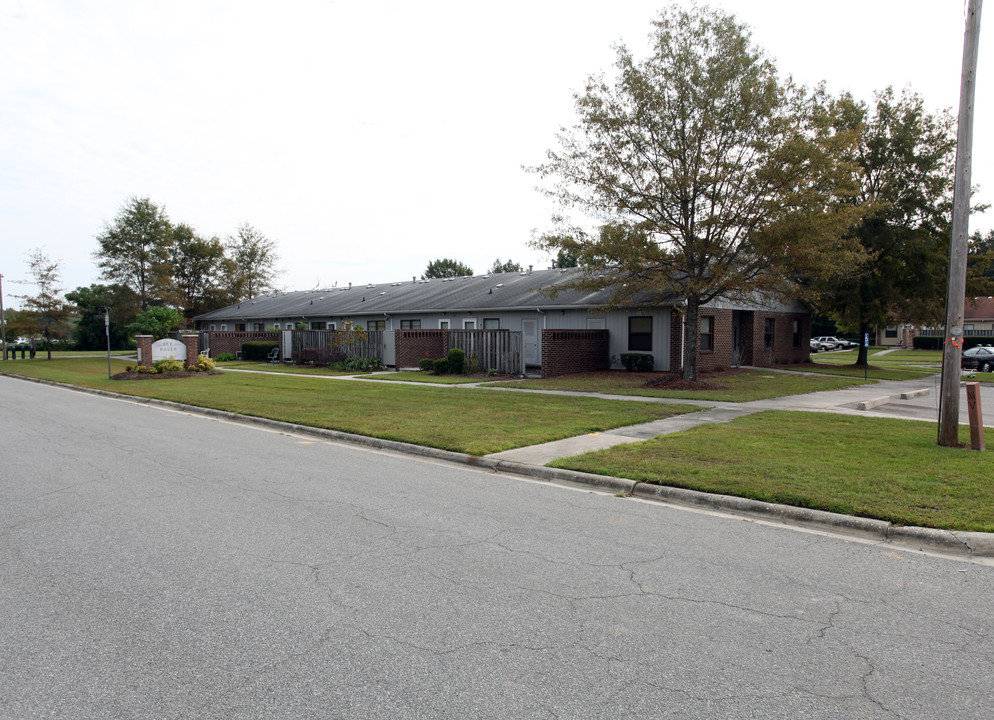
(410, 324)
(376, 325)
(239, 327)
(491, 323)
(707, 333)
(640, 333)
(891, 332)
(331, 326)
(768, 332)
(469, 324)
(443, 324)
(317, 325)
(796, 338)
(213, 328)
(224, 328)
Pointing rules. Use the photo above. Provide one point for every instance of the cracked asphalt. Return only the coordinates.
(160, 564)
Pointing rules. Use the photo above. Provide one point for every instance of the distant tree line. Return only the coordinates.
(158, 275)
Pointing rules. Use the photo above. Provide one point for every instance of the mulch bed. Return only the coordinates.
(162, 376)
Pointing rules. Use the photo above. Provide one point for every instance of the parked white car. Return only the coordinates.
(831, 343)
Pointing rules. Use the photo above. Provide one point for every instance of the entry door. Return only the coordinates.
(529, 331)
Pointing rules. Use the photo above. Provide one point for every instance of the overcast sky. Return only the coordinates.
(368, 137)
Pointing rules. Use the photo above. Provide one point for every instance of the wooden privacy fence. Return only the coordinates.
(486, 350)
(323, 347)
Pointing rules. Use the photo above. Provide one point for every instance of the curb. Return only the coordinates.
(970, 544)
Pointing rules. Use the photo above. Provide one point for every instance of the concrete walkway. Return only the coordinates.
(915, 399)
(906, 399)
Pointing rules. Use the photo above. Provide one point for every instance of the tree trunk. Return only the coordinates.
(861, 356)
(690, 340)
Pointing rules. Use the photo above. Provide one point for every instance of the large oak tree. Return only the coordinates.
(710, 176)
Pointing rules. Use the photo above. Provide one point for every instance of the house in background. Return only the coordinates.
(731, 334)
(978, 321)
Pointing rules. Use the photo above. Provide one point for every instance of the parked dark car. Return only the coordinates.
(980, 358)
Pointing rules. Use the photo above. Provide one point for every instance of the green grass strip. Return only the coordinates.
(878, 468)
(478, 422)
(754, 385)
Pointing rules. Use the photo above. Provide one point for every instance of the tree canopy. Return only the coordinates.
(156, 321)
(90, 332)
(711, 177)
(902, 164)
(504, 267)
(46, 309)
(254, 257)
(134, 250)
(445, 268)
(202, 272)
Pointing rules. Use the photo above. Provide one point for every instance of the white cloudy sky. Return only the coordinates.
(367, 137)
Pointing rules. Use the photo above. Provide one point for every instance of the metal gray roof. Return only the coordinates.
(499, 291)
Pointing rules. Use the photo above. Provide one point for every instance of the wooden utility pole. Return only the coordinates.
(956, 290)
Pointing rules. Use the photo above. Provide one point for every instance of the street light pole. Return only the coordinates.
(952, 352)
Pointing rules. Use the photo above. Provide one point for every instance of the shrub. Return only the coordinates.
(426, 364)
(456, 362)
(258, 349)
(168, 365)
(204, 364)
(441, 367)
(361, 364)
(637, 362)
(226, 357)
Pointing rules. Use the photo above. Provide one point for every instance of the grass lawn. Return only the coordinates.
(478, 422)
(879, 468)
(266, 367)
(744, 387)
(895, 365)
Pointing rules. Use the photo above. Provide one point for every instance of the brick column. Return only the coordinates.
(192, 343)
(144, 343)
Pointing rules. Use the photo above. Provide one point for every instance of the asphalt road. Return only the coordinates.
(155, 564)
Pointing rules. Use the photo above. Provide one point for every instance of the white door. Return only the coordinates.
(529, 331)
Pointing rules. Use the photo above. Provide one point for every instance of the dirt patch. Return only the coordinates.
(705, 380)
(711, 380)
(162, 376)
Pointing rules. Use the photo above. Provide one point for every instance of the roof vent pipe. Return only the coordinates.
(414, 279)
(529, 269)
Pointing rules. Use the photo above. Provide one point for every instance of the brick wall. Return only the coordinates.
(412, 345)
(231, 342)
(752, 341)
(574, 351)
(783, 351)
(719, 357)
(144, 343)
